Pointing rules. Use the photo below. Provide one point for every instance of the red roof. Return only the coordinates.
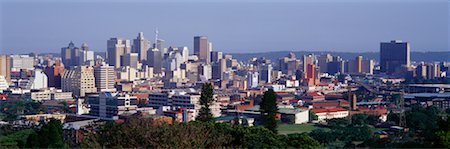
(313, 94)
(325, 104)
(317, 110)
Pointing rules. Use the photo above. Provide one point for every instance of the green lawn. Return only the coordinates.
(296, 128)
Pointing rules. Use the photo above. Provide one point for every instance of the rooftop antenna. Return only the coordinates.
(156, 38)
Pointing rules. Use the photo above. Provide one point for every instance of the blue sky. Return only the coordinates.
(232, 26)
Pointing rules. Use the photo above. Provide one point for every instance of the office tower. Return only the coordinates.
(111, 105)
(173, 61)
(5, 67)
(117, 47)
(367, 66)
(184, 51)
(154, 60)
(323, 61)
(309, 59)
(159, 45)
(104, 78)
(204, 72)
(141, 46)
(219, 68)
(311, 74)
(433, 71)
(54, 74)
(421, 70)
(252, 79)
(19, 62)
(265, 72)
(128, 73)
(208, 52)
(39, 80)
(393, 55)
(130, 59)
(79, 80)
(359, 64)
(201, 48)
(70, 55)
(86, 56)
(216, 56)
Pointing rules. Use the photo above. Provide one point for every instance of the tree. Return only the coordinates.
(302, 140)
(49, 136)
(359, 119)
(312, 116)
(206, 99)
(268, 109)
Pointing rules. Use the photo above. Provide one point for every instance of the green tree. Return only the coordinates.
(50, 135)
(312, 116)
(206, 99)
(302, 140)
(359, 119)
(269, 110)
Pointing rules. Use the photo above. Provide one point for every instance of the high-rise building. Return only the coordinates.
(5, 67)
(309, 59)
(154, 60)
(19, 62)
(141, 46)
(219, 68)
(204, 72)
(104, 78)
(421, 70)
(323, 61)
(359, 64)
(69, 55)
(39, 80)
(252, 79)
(216, 56)
(130, 59)
(159, 45)
(79, 80)
(393, 55)
(86, 56)
(367, 66)
(201, 48)
(115, 49)
(265, 73)
(54, 74)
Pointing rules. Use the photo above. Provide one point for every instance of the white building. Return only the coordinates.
(40, 80)
(105, 77)
(3, 84)
(21, 62)
(79, 80)
(253, 79)
(326, 114)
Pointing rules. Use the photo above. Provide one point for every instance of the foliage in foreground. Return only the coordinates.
(143, 133)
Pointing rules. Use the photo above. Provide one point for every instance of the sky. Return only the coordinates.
(232, 26)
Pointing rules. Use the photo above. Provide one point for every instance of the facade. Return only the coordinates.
(141, 46)
(111, 105)
(5, 67)
(265, 73)
(154, 59)
(201, 48)
(117, 47)
(19, 62)
(105, 77)
(326, 114)
(204, 72)
(216, 56)
(86, 56)
(40, 80)
(253, 78)
(393, 55)
(70, 55)
(130, 59)
(79, 80)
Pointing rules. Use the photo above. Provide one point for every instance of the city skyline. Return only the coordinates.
(296, 26)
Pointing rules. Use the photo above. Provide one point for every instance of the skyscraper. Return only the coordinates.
(79, 80)
(104, 78)
(265, 72)
(359, 64)
(141, 46)
(5, 67)
(201, 48)
(216, 56)
(154, 60)
(323, 61)
(115, 49)
(86, 56)
(130, 59)
(70, 55)
(393, 55)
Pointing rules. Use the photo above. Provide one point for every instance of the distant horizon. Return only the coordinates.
(232, 27)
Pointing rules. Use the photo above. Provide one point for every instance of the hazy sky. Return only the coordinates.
(325, 25)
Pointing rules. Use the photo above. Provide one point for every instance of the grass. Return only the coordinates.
(297, 128)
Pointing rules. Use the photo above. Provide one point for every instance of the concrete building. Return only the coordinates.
(393, 55)
(79, 80)
(86, 56)
(19, 62)
(111, 105)
(141, 46)
(323, 61)
(130, 59)
(154, 60)
(216, 56)
(70, 55)
(117, 47)
(105, 77)
(201, 48)
(253, 79)
(219, 68)
(204, 72)
(326, 114)
(39, 80)
(5, 67)
(265, 73)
